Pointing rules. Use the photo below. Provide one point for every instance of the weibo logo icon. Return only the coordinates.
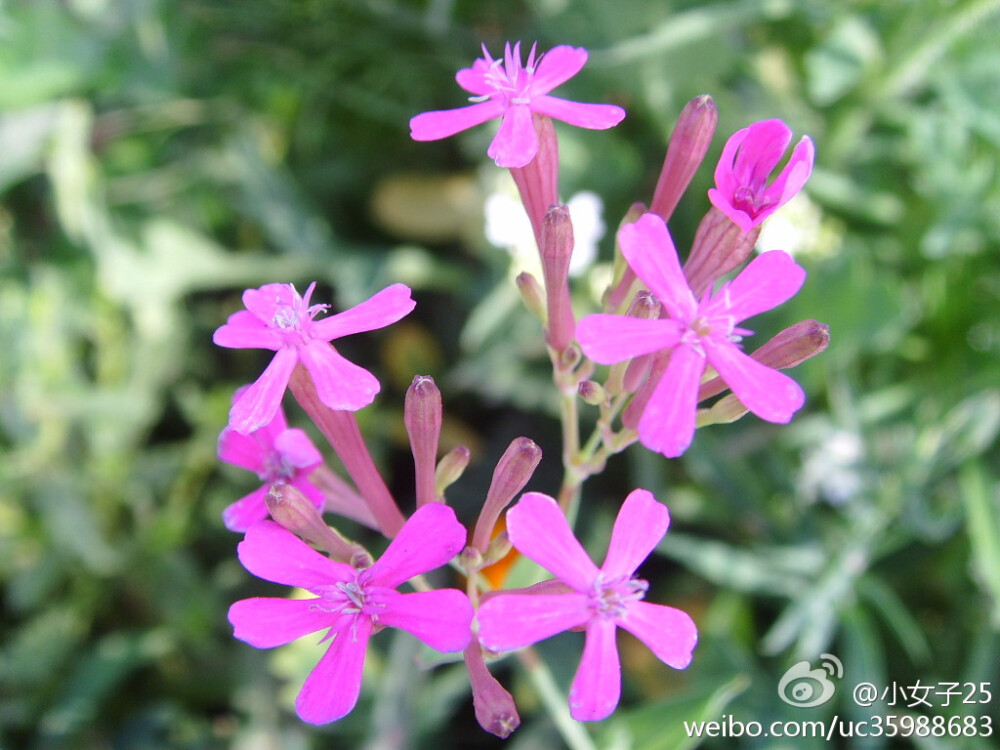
(806, 687)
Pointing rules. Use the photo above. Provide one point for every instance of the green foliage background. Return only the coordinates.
(158, 156)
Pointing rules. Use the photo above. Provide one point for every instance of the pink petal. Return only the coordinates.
(340, 384)
(241, 450)
(669, 633)
(511, 621)
(331, 690)
(432, 126)
(793, 176)
(557, 66)
(723, 201)
(641, 524)
(768, 393)
(261, 401)
(244, 330)
(265, 301)
(668, 421)
(726, 180)
(770, 279)
(760, 152)
(442, 619)
(267, 434)
(649, 250)
(474, 79)
(607, 339)
(382, 309)
(590, 116)
(266, 622)
(246, 511)
(297, 449)
(549, 586)
(275, 554)
(598, 682)
(540, 531)
(516, 143)
(430, 538)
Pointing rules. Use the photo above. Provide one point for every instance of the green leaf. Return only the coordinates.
(774, 570)
(981, 498)
(667, 724)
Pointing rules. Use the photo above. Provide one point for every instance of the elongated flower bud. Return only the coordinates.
(450, 468)
(557, 249)
(422, 416)
(538, 180)
(494, 706)
(792, 346)
(532, 294)
(513, 471)
(724, 411)
(295, 512)
(685, 152)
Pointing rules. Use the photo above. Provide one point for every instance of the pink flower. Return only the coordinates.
(351, 603)
(277, 318)
(750, 155)
(597, 599)
(507, 89)
(697, 334)
(276, 453)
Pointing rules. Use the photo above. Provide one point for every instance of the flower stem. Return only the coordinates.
(573, 733)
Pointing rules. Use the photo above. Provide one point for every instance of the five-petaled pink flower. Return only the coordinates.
(597, 599)
(351, 603)
(276, 453)
(507, 89)
(697, 334)
(277, 318)
(748, 158)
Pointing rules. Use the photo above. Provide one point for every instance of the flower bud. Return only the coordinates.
(513, 471)
(471, 560)
(422, 416)
(685, 151)
(792, 346)
(295, 512)
(592, 392)
(449, 469)
(500, 546)
(556, 250)
(494, 706)
(724, 411)
(532, 294)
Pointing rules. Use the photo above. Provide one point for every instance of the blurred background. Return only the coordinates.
(159, 156)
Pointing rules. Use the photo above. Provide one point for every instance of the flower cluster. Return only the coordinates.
(671, 335)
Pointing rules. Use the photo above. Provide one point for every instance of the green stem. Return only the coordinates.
(573, 733)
